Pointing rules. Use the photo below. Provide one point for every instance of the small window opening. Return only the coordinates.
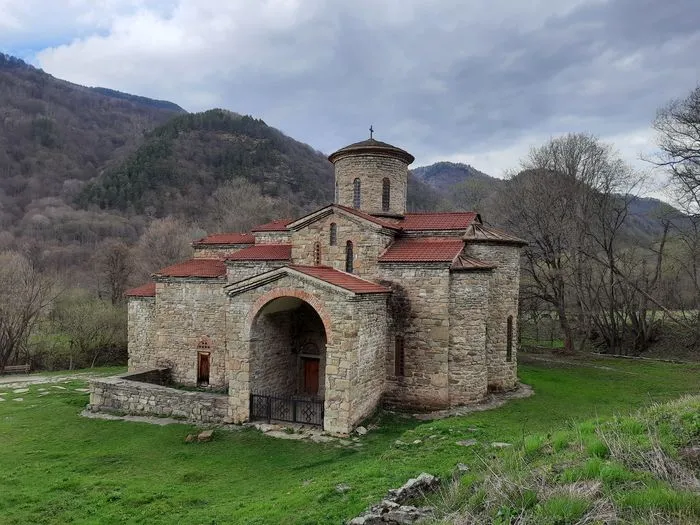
(386, 193)
(356, 197)
(399, 357)
(317, 254)
(348, 257)
(204, 343)
(334, 234)
(509, 338)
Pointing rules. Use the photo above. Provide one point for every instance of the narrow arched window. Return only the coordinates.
(317, 254)
(348, 256)
(336, 192)
(356, 197)
(386, 193)
(399, 357)
(334, 234)
(509, 338)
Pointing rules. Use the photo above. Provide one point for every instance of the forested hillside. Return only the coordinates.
(182, 162)
(55, 136)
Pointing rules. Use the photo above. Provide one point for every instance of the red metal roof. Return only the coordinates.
(280, 225)
(145, 290)
(195, 268)
(423, 249)
(437, 221)
(226, 238)
(263, 252)
(341, 279)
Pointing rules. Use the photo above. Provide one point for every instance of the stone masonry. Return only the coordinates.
(424, 317)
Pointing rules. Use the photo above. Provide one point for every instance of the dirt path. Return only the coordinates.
(20, 381)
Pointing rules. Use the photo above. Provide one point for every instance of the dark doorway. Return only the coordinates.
(203, 368)
(310, 371)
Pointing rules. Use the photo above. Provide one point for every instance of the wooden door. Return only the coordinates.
(203, 368)
(311, 367)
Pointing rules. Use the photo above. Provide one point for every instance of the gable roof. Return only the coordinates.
(423, 249)
(225, 238)
(207, 268)
(326, 210)
(488, 234)
(438, 221)
(344, 280)
(464, 263)
(263, 252)
(279, 225)
(145, 290)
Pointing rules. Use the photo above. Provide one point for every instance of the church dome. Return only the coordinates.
(371, 146)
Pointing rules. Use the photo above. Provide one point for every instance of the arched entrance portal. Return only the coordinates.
(287, 362)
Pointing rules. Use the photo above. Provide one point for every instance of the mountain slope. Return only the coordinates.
(54, 135)
(445, 175)
(185, 160)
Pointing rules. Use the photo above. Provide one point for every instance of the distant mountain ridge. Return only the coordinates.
(444, 175)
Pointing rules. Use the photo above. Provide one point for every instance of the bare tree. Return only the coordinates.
(91, 325)
(115, 265)
(24, 294)
(569, 202)
(239, 205)
(678, 135)
(164, 242)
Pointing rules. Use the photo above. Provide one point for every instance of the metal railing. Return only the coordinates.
(292, 409)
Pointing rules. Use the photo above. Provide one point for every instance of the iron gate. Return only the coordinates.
(294, 409)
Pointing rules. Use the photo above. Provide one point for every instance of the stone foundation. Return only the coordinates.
(127, 394)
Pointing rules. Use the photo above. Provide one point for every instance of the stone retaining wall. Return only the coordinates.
(121, 394)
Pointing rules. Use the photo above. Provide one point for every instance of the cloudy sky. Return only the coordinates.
(477, 81)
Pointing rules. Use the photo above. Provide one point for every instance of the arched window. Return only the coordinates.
(356, 198)
(334, 234)
(336, 192)
(386, 193)
(348, 256)
(317, 254)
(509, 338)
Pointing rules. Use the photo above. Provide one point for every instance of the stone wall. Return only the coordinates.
(219, 251)
(272, 237)
(239, 270)
(368, 244)
(423, 294)
(190, 313)
(140, 330)
(469, 312)
(371, 169)
(273, 366)
(369, 377)
(120, 394)
(503, 302)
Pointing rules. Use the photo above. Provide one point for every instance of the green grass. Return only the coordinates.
(57, 467)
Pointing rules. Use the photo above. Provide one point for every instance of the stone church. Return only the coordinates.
(322, 318)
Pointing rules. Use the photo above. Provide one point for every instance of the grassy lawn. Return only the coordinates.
(57, 467)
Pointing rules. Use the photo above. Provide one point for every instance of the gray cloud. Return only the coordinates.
(478, 81)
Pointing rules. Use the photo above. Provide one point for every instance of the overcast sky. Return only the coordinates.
(476, 81)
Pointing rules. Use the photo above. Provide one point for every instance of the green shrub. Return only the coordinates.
(597, 448)
(562, 510)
